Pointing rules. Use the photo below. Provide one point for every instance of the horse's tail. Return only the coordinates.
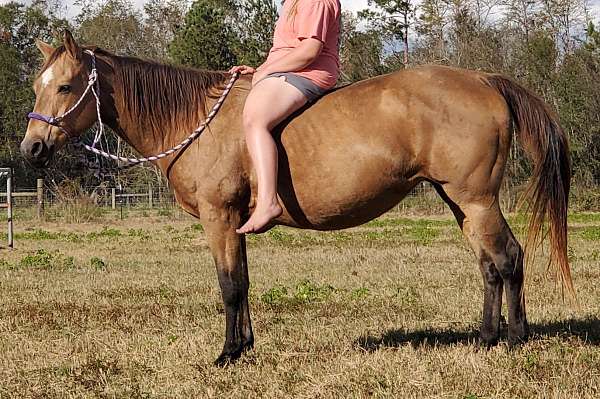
(548, 192)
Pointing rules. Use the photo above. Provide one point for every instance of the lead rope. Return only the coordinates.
(129, 162)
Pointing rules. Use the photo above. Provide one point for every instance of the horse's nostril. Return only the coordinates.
(36, 149)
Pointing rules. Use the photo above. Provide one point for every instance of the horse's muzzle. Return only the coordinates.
(37, 152)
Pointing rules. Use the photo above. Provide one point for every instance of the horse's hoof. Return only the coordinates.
(225, 359)
(248, 345)
(487, 342)
(516, 341)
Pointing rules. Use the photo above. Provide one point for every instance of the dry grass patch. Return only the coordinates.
(131, 309)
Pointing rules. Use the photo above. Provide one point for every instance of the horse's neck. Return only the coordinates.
(147, 142)
(145, 138)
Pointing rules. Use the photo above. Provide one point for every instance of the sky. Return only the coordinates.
(351, 5)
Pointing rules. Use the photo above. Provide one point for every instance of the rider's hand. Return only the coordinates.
(242, 69)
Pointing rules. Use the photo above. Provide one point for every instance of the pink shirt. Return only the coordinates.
(319, 19)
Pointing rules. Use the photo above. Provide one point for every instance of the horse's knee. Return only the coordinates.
(510, 263)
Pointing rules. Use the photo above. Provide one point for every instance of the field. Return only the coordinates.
(131, 309)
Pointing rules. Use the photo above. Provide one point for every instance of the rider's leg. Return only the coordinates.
(268, 103)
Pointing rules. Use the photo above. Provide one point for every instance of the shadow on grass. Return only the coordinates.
(419, 338)
(586, 329)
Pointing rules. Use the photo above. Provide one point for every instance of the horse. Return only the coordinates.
(343, 161)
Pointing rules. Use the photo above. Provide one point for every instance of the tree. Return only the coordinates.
(562, 17)
(162, 20)
(431, 27)
(361, 51)
(474, 45)
(114, 25)
(207, 39)
(19, 60)
(394, 19)
(255, 25)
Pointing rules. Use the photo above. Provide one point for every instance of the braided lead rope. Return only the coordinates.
(193, 136)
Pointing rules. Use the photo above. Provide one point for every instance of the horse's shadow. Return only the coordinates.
(586, 329)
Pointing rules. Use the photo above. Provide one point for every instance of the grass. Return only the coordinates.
(131, 309)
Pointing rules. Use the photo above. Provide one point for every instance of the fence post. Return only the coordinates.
(113, 198)
(9, 201)
(40, 198)
(150, 193)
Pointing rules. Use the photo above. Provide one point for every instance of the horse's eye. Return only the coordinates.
(64, 89)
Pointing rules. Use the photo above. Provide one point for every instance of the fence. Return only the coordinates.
(43, 197)
(422, 200)
(8, 202)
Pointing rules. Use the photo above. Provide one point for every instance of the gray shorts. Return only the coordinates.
(311, 91)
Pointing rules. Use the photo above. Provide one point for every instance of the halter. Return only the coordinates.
(94, 86)
(57, 120)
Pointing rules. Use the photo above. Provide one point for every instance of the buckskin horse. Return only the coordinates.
(344, 160)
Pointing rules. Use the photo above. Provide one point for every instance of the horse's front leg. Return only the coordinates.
(229, 251)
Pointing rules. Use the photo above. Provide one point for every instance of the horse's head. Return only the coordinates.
(61, 82)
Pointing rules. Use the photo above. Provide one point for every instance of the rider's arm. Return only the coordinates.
(297, 59)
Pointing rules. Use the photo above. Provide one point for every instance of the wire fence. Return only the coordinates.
(110, 197)
(423, 199)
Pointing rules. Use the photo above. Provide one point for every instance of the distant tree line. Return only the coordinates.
(551, 46)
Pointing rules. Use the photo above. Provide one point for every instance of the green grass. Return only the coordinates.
(591, 233)
(45, 260)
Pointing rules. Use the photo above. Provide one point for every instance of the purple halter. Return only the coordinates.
(48, 119)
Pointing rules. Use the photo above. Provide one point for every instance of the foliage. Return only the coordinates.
(551, 46)
(45, 260)
(361, 51)
(206, 23)
(255, 24)
(19, 59)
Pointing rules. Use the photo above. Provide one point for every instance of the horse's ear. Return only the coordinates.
(44, 48)
(71, 46)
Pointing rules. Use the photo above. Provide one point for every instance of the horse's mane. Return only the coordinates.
(159, 98)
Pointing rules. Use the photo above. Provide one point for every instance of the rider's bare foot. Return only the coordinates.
(260, 218)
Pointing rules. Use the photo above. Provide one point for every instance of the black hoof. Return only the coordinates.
(516, 342)
(226, 359)
(487, 342)
(231, 356)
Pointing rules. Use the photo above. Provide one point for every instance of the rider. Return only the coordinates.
(302, 65)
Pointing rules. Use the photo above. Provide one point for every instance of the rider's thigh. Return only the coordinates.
(270, 102)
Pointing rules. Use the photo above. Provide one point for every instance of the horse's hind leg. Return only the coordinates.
(501, 262)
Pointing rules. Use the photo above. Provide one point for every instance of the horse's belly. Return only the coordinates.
(332, 210)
